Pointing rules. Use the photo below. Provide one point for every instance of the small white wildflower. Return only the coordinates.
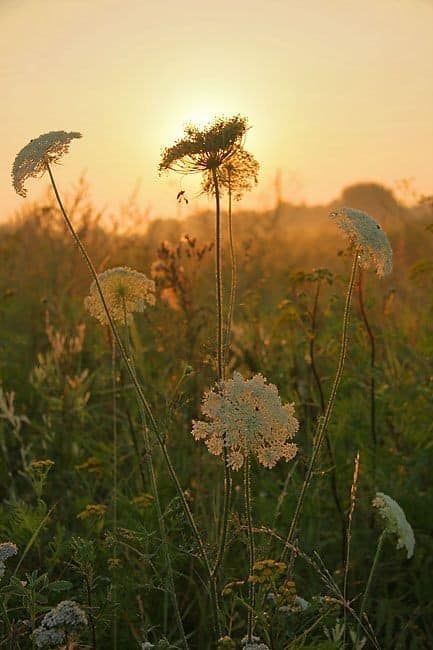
(48, 638)
(32, 160)
(395, 522)
(301, 604)
(66, 615)
(147, 645)
(365, 234)
(7, 550)
(249, 415)
(254, 644)
(125, 291)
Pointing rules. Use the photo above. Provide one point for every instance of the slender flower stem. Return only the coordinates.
(369, 582)
(372, 373)
(114, 408)
(220, 369)
(333, 471)
(353, 490)
(251, 547)
(145, 405)
(234, 279)
(324, 422)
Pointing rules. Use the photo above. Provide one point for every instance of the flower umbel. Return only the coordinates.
(395, 522)
(365, 234)
(125, 291)
(205, 149)
(249, 416)
(66, 617)
(32, 160)
(238, 175)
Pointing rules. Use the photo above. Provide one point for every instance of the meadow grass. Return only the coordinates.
(124, 531)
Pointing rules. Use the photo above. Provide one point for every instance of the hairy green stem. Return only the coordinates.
(145, 405)
(324, 422)
(251, 547)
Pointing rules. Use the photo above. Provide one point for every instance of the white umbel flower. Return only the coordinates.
(249, 416)
(125, 291)
(32, 160)
(365, 235)
(395, 522)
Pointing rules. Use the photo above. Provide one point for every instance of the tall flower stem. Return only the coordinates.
(369, 583)
(233, 269)
(251, 546)
(115, 454)
(145, 405)
(220, 369)
(372, 341)
(333, 471)
(324, 422)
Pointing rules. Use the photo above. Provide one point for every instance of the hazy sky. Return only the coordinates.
(336, 91)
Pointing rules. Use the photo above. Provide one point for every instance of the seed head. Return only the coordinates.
(395, 522)
(249, 416)
(125, 291)
(31, 161)
(365, 235)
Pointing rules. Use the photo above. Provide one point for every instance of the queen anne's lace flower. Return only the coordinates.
(31, 161)
(67, 616)
(395, 522)
(125, 291)
(249, 416)
(365, 235)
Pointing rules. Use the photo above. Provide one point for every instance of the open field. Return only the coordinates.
(86, 492)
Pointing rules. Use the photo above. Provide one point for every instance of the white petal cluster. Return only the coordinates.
(365, 234)
(125, 291)
(31, 161)
(395, 522)
(249, 416)
(254, 644)
(67, 616)
(7, 550)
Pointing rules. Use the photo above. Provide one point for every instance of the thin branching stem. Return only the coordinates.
(324, 421)
(145, 405)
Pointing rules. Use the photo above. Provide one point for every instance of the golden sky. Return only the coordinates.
(337, 91)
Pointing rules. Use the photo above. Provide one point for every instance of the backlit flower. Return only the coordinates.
(31, 161)
(238, 175)
(249, 416)
(365, 235)
(125, 291)
(395, 522)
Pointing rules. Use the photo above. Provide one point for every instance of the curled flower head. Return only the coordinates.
(207, 148)
(366, 236)
(395, 522)
(125, 291)
(32, 160)
(248, 415)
